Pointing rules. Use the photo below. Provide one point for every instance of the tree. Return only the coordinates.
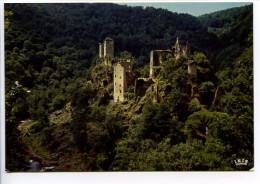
(7, 14)
(204, 124)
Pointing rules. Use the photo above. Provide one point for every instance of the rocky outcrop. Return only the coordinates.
(102, 97)
(141, 85)
(102, 75)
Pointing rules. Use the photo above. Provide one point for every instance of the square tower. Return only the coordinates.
(120, 83)
(109, 48)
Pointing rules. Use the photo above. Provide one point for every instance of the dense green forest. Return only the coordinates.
(58, 113)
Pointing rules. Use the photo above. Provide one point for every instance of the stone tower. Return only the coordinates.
(106, 50)
(120, 84)
(109, 48)
(101, 50)
(123, 77)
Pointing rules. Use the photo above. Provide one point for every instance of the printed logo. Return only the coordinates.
(241, 162)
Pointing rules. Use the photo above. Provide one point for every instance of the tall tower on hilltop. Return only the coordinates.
(120, 84)
(109, 48)
(123, 77)
(106, 50)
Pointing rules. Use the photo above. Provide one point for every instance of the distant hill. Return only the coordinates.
(81, 26)
(233, 27)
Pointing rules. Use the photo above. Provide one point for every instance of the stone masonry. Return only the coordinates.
(192, 68)
(158, 56)
(156, 59)
(123, 77)
(180, 50)
(106, 50)
(120, 84)
(123, 74)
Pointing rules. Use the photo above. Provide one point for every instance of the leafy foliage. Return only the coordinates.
(52, 71)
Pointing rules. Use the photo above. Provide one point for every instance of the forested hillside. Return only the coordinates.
(60, 114)
(233, 28)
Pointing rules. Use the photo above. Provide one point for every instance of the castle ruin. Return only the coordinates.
(120, 84)
(192, 68)
(156, 59)
(181, 50)
(106, 50)
(123, 74)
(158, 56)
(123, 77)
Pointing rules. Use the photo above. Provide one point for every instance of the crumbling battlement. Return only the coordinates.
(181, 50)
(156, 59)
(158, 56)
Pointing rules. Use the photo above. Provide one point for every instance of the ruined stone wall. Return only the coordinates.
(101, 50)
(192, 68)
(141, 85)
(178, 49)
(156, 59)
(151, 64)
(181, 50)
(120, 84)
(158, 56)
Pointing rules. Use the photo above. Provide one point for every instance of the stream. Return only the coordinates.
(34, 166)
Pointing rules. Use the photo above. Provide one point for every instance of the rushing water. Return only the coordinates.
(35, 166)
